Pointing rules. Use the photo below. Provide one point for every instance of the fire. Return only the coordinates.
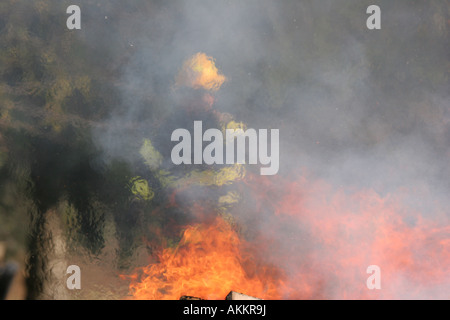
(337, 234)
(317, 242)
(200, 72)
(209, 262)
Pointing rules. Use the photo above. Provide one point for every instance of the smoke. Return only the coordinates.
(364, 110)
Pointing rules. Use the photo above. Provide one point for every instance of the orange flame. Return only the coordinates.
(317, 242)
(208, 263)
(340, 233)
(200, 72)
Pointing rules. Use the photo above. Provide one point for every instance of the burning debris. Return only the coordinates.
(190, 298)
(239, 296)
(231, 296)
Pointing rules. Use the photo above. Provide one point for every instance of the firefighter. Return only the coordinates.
(212, 186)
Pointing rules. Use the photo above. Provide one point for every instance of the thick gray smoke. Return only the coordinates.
(361, 109)
(363, 117)
(347, 98)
